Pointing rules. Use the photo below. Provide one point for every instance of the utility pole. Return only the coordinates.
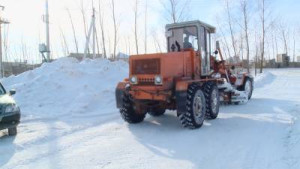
(45, 48)
(46, 20)
(1, 23)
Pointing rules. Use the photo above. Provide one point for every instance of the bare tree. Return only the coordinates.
(109, 47)
(82, 10)
(84, 21)
(156, 42)
(101, 15)
(224, 49)
(256, 52)
(24, 51)
(224, 41)
(231, 29)
(146, 25)
(74, 32)
(97, 41)
(245, 12)
(241, 47)
(294, 48)
(65, 46)
(95, 38)
(135, 26)
(129, 44)
(126, 45)
(276, 44)
(284, 35)
(263, 32)
(115, 29)
(273, 42)
(176, 9)
(268, 49)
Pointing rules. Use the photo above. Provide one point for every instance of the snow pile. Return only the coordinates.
(67, 86)
(263, 79)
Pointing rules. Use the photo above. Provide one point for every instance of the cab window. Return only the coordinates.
(183, 38)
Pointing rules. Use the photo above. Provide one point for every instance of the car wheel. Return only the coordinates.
(12, 131)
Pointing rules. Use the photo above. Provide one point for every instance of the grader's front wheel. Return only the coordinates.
(129, 113)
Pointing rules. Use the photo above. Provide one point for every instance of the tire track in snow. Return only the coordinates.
(67, 142)
(292, 140)
(42, 142)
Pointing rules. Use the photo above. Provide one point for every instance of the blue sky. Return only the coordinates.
(27, 27)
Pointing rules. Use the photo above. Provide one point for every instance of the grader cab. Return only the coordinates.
(188, 78)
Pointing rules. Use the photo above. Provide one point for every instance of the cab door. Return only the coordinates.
(204, 50)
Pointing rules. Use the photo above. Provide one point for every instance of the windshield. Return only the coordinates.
(183, 38)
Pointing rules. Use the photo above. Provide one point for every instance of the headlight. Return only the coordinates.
(133, 80)
(12, 108)
(158, 80)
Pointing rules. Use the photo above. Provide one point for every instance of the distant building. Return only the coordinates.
(283, 60)
(80, 56)
(122, 56)
(298, 58)
(234, 60)
(271, 63)
(15, 68)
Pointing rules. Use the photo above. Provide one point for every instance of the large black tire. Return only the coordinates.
(195, 105)
(129, 113)
(212, 98)
(157, 112)
(248, 83)
(12, 131)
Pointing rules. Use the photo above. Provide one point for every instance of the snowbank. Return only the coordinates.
(263, 79)
(67, 86)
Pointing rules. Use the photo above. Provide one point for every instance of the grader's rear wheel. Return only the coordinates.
(195, 105)
(212, 98)
(247, 87)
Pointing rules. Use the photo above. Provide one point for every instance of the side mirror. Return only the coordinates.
(217, 45)
(12, 92)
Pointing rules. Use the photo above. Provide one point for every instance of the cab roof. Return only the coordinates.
(197, 23)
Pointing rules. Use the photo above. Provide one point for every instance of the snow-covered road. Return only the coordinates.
(264, 133)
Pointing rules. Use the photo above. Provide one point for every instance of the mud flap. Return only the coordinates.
(120, 92)
(119, 98)
(181, 97)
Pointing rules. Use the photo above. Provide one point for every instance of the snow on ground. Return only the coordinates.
(70, 121)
